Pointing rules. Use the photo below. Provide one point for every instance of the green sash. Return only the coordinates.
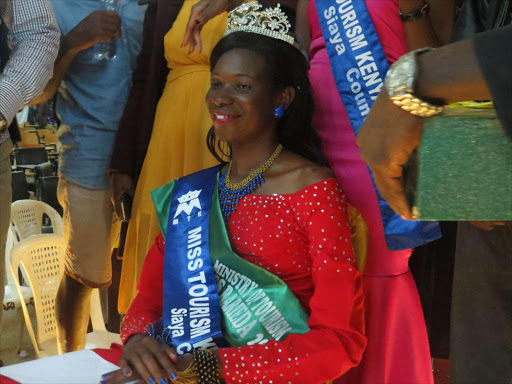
(256, 305)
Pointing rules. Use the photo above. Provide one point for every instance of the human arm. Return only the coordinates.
(200, 14)
(34, 37)
(474, 69)
(432, 30)
(99, 26)
(145, 310)
(123, 162)
(335, 341)
(302, 34)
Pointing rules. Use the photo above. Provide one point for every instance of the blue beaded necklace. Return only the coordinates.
(230, 194)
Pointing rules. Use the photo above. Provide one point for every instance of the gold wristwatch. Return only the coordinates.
(400, 84)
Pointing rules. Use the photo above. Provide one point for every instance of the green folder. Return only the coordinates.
(464, 168)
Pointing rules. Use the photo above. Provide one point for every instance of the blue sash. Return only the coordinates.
(359, 66)
(191, 301)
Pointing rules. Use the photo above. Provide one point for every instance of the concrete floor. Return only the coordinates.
(9, 337)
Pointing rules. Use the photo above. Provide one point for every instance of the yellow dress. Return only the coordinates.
(178, 142)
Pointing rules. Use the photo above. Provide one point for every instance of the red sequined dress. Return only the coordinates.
(304, 238)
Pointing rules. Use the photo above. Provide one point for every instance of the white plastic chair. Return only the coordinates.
(11, 298)
(42, 258)
(99, 337)
(27, 218)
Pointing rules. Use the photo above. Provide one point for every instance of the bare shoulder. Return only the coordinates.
(312, 173)
(294, 173)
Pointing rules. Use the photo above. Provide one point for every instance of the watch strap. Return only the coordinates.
(420, 13)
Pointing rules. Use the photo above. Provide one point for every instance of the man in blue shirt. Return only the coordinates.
(91, 94)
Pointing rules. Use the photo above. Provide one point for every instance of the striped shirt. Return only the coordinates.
(34, 39)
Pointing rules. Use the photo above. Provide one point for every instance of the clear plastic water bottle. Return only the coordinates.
(107, 51)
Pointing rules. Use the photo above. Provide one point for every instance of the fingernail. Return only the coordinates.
(174, 358)
(151, 380)
(127, 372)
(163, 381)
(174, 376)
(106, 375)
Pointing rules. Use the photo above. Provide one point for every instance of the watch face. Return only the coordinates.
(400, 78)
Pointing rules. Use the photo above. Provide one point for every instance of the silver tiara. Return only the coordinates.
(271, 22)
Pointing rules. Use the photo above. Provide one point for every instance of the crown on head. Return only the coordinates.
(191, 195)
(271, 22)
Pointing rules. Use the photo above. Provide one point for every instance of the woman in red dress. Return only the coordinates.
(293, 225)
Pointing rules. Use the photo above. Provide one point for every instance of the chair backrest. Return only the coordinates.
(19, 186)
(27, 217)
(46, 191)
(8, 247)
(42, 258)
(31, 156)
(44, 169)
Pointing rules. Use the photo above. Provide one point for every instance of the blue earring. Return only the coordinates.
(279, 112)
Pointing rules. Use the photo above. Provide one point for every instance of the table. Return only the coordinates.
(82, 367)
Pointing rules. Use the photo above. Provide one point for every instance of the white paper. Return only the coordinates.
(82, 367)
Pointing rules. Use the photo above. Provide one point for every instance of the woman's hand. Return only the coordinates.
(201, 12)
(147, 361)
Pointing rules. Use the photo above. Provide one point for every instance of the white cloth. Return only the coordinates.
(82, 367)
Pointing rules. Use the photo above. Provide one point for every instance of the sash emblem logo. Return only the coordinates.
(187, 203)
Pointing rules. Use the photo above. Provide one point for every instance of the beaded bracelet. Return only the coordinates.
(207, 367)
(424, 11)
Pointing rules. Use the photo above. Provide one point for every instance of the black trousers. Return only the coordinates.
(481, 316)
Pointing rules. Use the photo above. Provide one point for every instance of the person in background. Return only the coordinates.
(136, 124)
(156, 130)
(90, 97)
(474, 69)
(397, 350)
(34, 41)
(389, 286)
(148, 81)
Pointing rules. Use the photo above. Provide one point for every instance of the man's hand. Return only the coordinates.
(201, 13)
(121, 184)
(98, 27)
(387, 138)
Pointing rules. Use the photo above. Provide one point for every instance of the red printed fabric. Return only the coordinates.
(304, 238)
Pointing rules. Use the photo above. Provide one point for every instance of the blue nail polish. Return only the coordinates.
(127, 372)
(103, 382)
(163, 381)
(174, 376)
(105, 376)
(151, 380)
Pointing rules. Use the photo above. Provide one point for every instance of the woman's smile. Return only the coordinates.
(221, 118)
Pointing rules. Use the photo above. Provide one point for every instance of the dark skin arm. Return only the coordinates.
(389, 134)
(302, 34)
(433, 30)
(99, 26)
(201, 12)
